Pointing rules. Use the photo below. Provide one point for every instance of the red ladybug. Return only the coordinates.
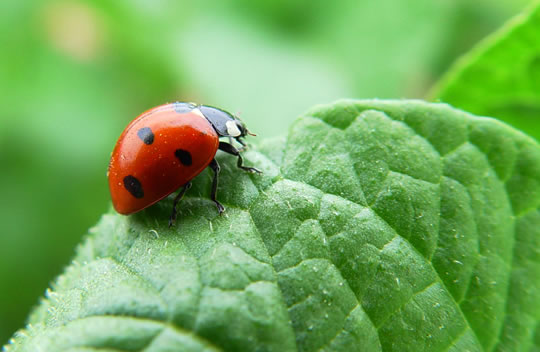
(164, 148)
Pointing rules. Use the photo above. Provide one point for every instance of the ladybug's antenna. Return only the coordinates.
(251, 134)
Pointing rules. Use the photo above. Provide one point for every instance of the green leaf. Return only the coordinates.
(501, 76)
(376, 225)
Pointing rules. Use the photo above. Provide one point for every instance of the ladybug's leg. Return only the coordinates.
(241, 142)
(227, 148)
(244, 145)
(215, 167)
(172, 218)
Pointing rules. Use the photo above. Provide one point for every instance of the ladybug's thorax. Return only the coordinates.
(233, 129)
(225, 124)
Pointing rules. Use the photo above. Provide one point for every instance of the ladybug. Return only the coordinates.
(164, 148)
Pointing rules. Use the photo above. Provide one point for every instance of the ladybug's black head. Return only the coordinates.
(241, 127)
(225, 123)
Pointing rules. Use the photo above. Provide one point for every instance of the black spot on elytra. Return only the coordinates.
(133, 186)
(184, 156)
(146, 135)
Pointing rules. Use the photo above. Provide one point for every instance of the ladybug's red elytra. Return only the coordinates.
(164, 148)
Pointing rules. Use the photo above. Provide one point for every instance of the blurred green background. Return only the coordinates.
(74, 73)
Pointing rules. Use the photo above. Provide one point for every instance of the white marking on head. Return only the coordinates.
(196, 111)
(232, 129)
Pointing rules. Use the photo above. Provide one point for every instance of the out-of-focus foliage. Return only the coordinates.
(73, 73)
(501, 77)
